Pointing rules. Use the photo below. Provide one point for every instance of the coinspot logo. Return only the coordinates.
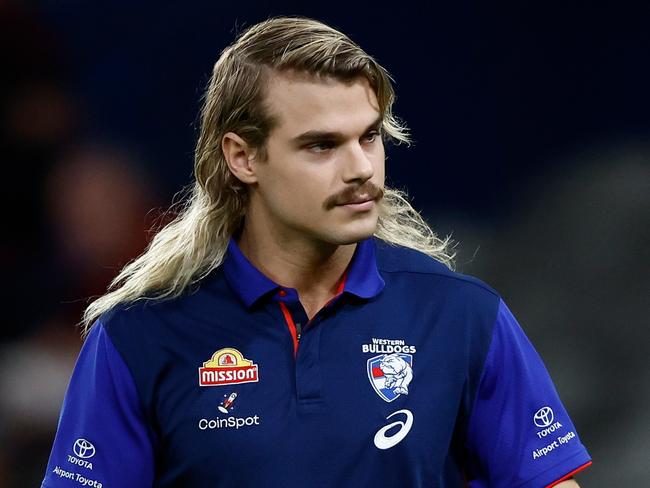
(83, 449)
(543, 417)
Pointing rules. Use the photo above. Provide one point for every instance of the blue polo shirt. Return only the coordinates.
(412, 376)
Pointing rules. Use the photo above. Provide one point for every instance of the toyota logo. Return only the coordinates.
(83, 449)
(543, 417)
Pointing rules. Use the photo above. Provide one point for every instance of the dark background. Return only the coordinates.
(532, 148)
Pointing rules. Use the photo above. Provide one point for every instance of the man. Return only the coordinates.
(266, 338)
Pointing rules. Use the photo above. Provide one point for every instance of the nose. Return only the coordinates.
(358, 166)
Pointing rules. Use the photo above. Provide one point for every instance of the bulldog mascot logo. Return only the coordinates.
(391, 374)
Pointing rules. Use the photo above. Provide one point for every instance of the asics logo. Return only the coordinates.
(382, 441)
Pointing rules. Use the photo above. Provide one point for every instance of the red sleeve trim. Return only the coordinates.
(564, 478)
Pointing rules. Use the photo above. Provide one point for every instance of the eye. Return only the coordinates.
(320, 146)
(371, 136)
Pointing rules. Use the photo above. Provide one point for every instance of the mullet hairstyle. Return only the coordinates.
(194, 243)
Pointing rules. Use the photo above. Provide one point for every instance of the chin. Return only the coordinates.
(352, 233)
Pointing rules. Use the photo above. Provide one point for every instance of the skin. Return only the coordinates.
(298, 230)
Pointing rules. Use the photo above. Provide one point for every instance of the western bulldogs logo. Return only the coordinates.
(391, 374)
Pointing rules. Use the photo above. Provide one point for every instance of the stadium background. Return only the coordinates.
(532, 143)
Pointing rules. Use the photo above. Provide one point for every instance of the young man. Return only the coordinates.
(298, 323)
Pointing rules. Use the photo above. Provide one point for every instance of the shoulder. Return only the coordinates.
(133, 327)
(419, 267)
(461, 310)
(158, 320)
(141, 312)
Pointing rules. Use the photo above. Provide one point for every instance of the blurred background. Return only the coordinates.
(532, 148)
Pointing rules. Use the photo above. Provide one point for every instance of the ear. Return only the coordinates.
(240, 157)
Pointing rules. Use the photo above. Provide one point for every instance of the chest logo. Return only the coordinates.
(384, 441)
(390, 374)
(227, 367)
(227, 404)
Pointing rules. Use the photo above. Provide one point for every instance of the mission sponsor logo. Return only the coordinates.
(228, 367)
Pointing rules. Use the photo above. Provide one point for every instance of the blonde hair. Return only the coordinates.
(195, 242)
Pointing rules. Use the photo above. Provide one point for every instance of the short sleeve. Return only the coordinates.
(519, 435)
(102, 438)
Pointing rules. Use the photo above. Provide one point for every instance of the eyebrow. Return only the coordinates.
(316, 135)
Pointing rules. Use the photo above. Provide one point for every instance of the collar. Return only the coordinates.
(362, 277)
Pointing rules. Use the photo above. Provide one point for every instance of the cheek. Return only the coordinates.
(377, 157)
(295, 194)
(379, 175)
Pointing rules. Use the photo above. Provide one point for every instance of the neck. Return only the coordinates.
(313, 268)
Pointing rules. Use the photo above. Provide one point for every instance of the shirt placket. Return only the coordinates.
(305, 335)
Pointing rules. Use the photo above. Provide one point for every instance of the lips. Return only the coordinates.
(358, 199)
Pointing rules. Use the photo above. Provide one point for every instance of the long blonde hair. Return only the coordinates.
(195, 242)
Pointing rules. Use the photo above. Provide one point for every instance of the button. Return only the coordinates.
(282, 293)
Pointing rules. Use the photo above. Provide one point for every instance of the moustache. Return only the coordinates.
(367, 191)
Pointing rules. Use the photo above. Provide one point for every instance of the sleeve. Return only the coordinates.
(519, 433)
(102, 438)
